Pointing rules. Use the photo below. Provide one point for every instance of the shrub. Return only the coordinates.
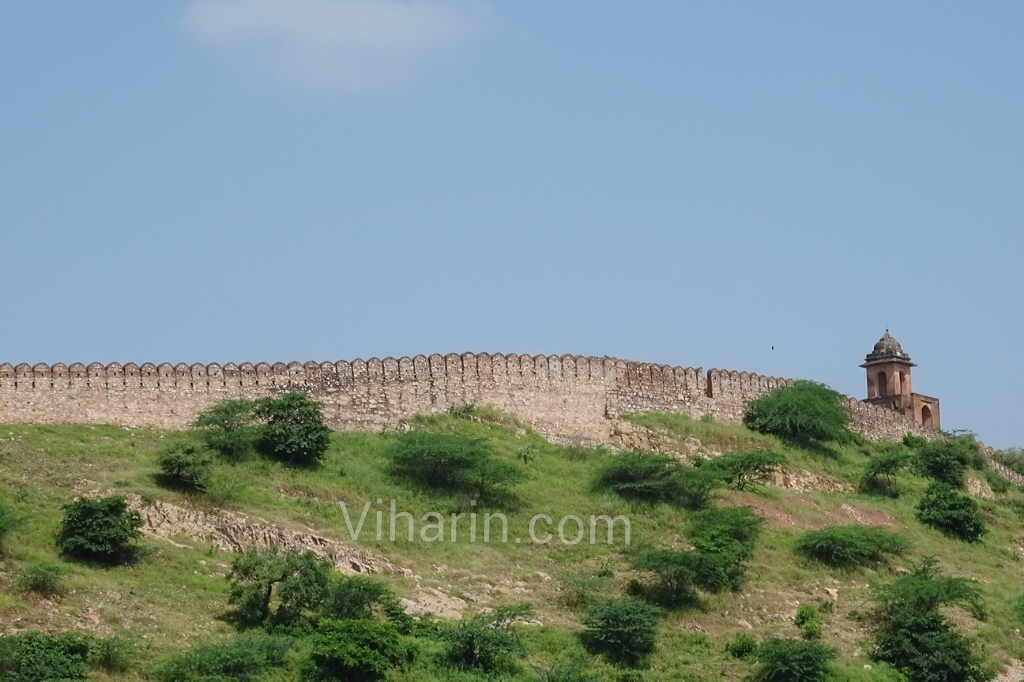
(679, 574)
(103, 531)
(224, 485)
(730, 530)
(951, 512)
(1012, 459)
(299, 580)
(622, 630)
(186, 464)
(803, 412)
(112, 654)
(740, 469)
(644, 477)
(913, 441)
(241, 659)
(39, 657)
(43, 578)
(360, 598)
(293, 429)
(808, 619)
(485, 642)
(228, 427)
(741, 646)
(356, 650)
(793, 660)
(573, 671)
(697, 486)
(450, 462)
(850, 546)
(881, 470)
(997, 482)
(947, 461)
(912, 634)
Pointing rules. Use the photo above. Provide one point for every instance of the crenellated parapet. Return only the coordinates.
(561, 395)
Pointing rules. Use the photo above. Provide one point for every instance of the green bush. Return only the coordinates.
(355, 650)
(946, 461)
(360, 598)
(732, 530)
(679, 575)
(914, 637)
(43, 578)
(1012, 459)
(228, 427)
(241, 659)
(622, 630)
(740, 469)
(649, 478)
(997, 482)
(803, 412)
(951, 512)
(573, 671)
(850, 546)
(808, 619)
(793, 660)
(880, 472)
(39, 657)
(300, 581)
(103, 531)
(453, 463)
(112, 655)
(697, 486)
(741, 646)
(293, 429)
(186, 464)
(485, 642)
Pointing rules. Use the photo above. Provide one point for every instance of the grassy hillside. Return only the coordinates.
(176, 594)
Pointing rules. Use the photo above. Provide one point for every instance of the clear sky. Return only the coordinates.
(685, 183)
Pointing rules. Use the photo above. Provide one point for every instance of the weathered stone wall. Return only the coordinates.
(567, 396)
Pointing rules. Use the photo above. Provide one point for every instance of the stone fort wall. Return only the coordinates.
(563, 396)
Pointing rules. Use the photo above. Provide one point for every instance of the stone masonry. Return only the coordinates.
(561, 396)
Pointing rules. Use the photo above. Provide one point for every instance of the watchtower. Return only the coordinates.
(888, 374)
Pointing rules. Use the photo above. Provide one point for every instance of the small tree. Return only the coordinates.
(293, 429)
(228, 427)
(300, 581)
(355, 650)
(850, 546)
(793, 660)
(679, 575)
(103, 531)
(951, 512)
(803, 412)
(485, 642)
(808, 619)
(43, 578)
(912, 634)
(186, 464)
(622, 630)
(740, 469)
(452, 463)
(360, 598)
(880, 472)
(947, 461)
(652, 478)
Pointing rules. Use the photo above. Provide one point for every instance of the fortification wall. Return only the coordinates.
(566, 396)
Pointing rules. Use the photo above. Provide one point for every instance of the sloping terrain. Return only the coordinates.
(176, 594)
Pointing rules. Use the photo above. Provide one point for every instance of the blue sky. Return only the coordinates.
(685, 183)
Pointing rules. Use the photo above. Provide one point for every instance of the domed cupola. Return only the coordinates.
(887, 349)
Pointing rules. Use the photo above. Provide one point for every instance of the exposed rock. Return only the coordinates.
(629, 436)
(979, 488)
(232, 531)
(434, 602)
(805, 480)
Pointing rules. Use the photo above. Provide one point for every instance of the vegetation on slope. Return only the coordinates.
(168, 614)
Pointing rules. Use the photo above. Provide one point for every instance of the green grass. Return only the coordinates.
(177, 595)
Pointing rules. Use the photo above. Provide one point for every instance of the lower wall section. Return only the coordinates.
(562, 396)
